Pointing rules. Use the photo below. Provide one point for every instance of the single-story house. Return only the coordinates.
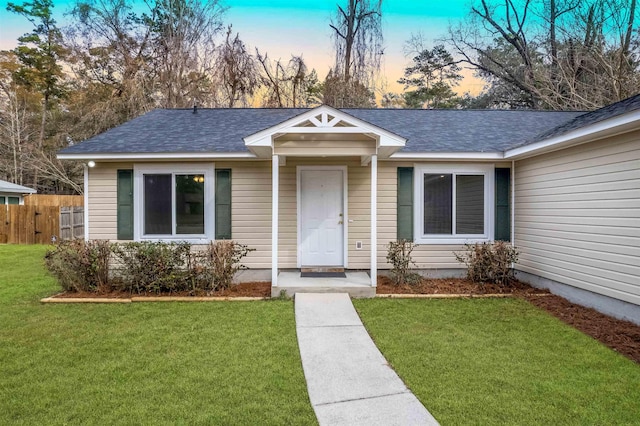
(11, 193)
(329, 188)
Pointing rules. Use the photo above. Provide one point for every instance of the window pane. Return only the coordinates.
(469, 204)
(14, 200)
(437, 204)
(157, 204)
(2, 200)
(189, 204)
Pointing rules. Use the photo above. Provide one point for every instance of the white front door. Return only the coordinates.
(321, 217)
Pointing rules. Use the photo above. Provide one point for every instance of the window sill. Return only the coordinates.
(175, 239)
(452, 240)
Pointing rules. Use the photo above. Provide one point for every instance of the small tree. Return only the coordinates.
(399, 256)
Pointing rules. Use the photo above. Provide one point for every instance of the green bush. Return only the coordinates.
(489, 262)
(80, 265)
(157, 267)
(145, 267)
(153, 267)
(399, 256)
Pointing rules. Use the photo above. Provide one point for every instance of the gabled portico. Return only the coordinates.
(319, 143)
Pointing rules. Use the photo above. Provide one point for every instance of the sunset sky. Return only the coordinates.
(285, 27)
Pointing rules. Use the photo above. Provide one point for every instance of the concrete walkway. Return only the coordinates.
(349, 381)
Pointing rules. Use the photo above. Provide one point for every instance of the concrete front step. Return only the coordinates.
(322, 269)
(359, 292)
(357, 284)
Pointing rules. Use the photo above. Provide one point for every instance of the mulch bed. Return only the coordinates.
(251, 289)
(452, 286)
(621, 336)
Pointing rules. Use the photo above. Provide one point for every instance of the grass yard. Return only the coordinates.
(165, 363)
(502, 361)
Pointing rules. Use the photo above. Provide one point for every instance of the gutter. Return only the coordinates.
(157, 156)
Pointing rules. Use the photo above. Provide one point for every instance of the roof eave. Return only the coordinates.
(142, 156)
(444, 156)
(25, 191)
(606, 128)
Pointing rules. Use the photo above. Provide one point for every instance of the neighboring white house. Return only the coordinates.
(11, 193)
(336, 186)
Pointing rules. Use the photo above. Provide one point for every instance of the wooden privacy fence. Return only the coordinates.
(54, 200)
(39, 224)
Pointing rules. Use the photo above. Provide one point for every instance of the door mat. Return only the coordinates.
(323, 275)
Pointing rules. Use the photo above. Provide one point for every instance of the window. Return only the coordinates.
(174, 202)
(9, 200)
(453, 204)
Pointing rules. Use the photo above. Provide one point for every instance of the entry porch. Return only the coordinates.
(324, 180)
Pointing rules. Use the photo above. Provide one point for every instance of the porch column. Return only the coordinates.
(275, 163)
(86, 204)
(374, 220)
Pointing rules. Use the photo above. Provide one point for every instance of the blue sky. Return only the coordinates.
(285, 27)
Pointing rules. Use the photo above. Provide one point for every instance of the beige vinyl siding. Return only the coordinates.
(578, 216)
(427, 256)
(103, 205)
(251, 208)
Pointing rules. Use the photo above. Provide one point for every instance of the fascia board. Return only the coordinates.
(610, 127)
(156, 156)
(447, 156)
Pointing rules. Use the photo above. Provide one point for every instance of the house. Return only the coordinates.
(11, 193)
(335, 186)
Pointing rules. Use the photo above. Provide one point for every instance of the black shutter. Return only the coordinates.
(125, 204)
(503, 205)
(405, 204)
(223, 204)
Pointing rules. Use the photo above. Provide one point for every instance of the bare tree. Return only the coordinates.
(112, 48)
(17, 122)
(357, 34)
(184, 35)
(338, 93)
(286, 85)
(557, 54)
(237, 73)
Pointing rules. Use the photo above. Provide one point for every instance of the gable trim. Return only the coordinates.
(264, 138)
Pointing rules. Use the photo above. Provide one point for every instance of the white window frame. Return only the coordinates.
(207, 170)
(486, 170)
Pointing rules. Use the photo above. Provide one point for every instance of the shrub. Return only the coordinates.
(399, 256)
(145, 267)
(489, 262)
(80, 265)
(157, 267)
(153, 267)
(221, 261)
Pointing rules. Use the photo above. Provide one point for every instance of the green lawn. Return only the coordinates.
(167, 363)
(502, 361)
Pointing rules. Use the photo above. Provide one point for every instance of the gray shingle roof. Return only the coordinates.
(610, 111)
(223, 130)
(9, 187)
